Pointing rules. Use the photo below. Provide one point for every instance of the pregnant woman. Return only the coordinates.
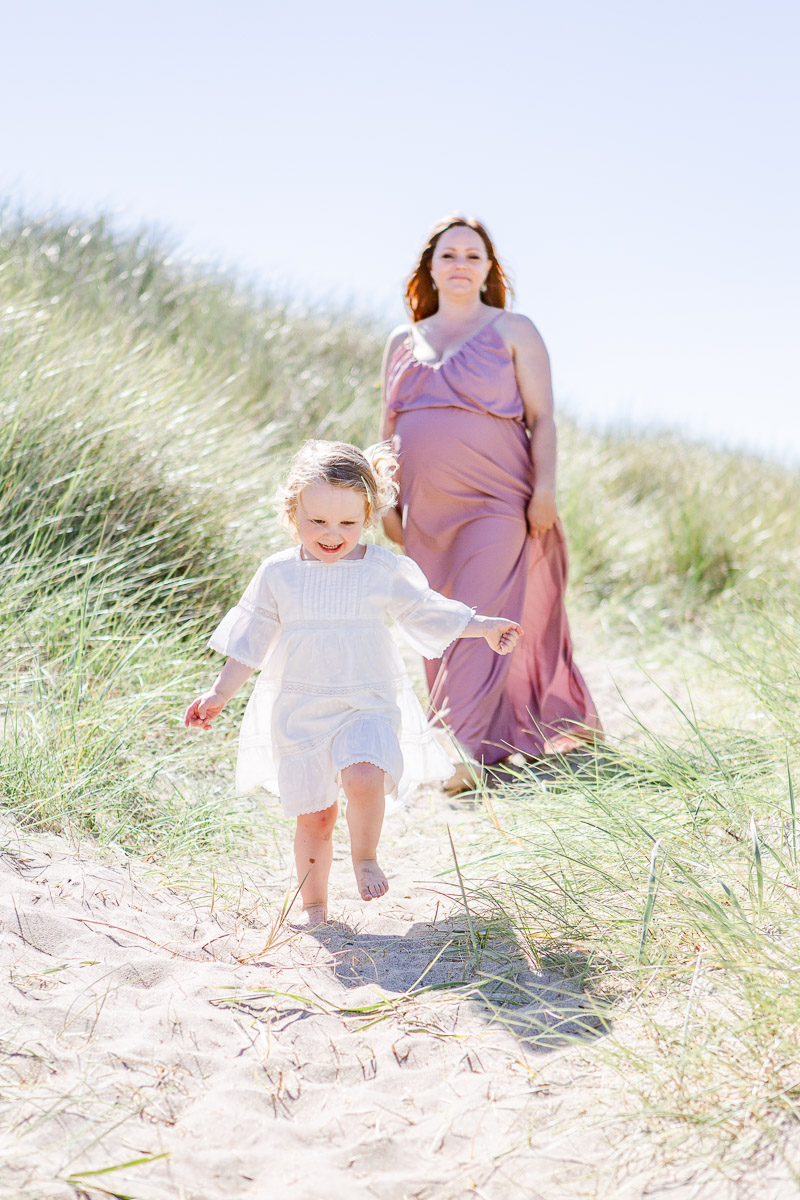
(468, 402)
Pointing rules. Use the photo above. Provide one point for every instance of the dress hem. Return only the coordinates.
(454, 638)
(241, 661)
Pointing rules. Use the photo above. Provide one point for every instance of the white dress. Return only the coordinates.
(333, 689)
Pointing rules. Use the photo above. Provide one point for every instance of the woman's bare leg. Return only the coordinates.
(366, 804)
(313, 854)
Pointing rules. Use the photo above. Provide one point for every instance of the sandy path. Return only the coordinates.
(272, 1065)
(131, 1030)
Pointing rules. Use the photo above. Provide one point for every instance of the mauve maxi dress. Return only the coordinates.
(465, 482)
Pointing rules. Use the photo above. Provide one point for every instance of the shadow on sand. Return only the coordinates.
(472, 962)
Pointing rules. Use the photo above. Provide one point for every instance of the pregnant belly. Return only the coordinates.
(463, 455)
(465, 483)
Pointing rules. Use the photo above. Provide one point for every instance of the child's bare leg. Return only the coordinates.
(313, 854)
(366, 804)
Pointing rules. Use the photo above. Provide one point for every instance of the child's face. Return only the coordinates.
(330, 521)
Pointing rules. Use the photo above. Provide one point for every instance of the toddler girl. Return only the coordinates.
(333, 705)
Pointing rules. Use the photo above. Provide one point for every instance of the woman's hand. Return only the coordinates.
(393, 527)
(542, 513)
(201, 712)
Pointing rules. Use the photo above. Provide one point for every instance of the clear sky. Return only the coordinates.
(637, 164)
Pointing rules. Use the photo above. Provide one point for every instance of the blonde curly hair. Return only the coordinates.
(369, 471)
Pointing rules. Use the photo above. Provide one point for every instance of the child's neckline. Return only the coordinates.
(342, 562)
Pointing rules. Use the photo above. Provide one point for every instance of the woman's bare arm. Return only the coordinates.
(393, 343)
(532, 368)
(392, 521)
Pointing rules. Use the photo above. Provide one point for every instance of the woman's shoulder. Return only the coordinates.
(397, 337)
(517, 329)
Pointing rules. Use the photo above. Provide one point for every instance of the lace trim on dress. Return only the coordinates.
(364, 758)
(248, 606)
(409, 611)
(221, 648)
(306, 811)
(241, 661)
(325, 623)
(455, 637)
(396, 684)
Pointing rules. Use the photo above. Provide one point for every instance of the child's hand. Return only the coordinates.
(201, 712)
(502, 635)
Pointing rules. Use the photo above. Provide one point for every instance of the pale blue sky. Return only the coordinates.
(637, 164)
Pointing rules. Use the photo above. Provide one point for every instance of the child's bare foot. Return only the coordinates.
(316, 914)
(372, 883)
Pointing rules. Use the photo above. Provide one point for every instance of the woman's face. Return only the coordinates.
(460, 264)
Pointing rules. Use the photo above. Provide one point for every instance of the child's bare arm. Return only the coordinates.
(203, 709)
(502, 635)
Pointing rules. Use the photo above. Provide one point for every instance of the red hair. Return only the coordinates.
(422, 298)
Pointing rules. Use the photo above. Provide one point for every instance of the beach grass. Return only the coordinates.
(148, 408)
(667, 865)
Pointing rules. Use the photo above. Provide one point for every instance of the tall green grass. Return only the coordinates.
(292, 374)
(670, 528)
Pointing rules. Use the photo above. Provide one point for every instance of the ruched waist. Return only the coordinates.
(423, 401)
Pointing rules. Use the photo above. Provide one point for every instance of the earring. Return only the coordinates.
(433, 285)
(483, 289)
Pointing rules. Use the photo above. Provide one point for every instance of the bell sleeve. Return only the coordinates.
(427, 620)
(248, 632)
